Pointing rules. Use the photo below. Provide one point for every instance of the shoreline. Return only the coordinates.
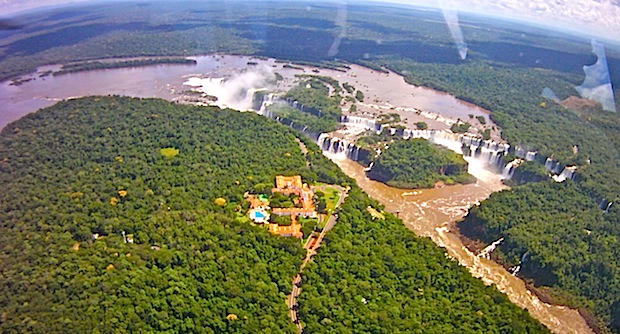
(385, 92)
(428, 213)
(474, 246)
(229, 60)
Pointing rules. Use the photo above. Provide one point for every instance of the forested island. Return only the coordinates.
(100, 65)
(130, 213)
(317, 104)
(416, 163)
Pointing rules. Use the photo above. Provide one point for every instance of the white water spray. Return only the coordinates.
(486, 252)
(236, 92)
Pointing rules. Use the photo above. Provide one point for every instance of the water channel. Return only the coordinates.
(431, 212)
(428, 213)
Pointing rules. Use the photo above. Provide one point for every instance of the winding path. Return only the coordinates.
(311, 246)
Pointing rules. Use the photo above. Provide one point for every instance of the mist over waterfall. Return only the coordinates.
(486, 158)
(237, 91)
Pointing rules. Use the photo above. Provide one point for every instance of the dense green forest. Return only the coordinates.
(375, 276)
(97, 166)
(416, 163)
(114, 217)
(320, 97)
(560, 238)
(505, 72)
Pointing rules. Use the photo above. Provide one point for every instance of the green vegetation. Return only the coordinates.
(93, 166)
(569, 242)
(325, 79)
(460, 127)
(191, 265)
(348, 87)
(486, 134)
(359, 96)
(281, 220)
(280, 200)
(390, 118)
(98, 65)
(314, 124)
(552, 130)
(372, 139)
(321, 109)
(421, 125)
(320, 202)
(330, 198)
(481, 119)
(416, 163)
(528, 171)
(375, 276)
(414, 43)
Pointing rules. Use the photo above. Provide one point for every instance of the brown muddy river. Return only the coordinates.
(429, 212)
(385, 92)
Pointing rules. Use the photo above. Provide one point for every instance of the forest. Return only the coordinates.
(560, 238)
(375, 276)
(111, 217)
(317, 102)
(416, 163)
(411, 42)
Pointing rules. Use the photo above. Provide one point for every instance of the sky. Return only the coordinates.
(592, 17)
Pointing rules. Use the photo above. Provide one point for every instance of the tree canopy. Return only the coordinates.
(416, 163)
(375, 276)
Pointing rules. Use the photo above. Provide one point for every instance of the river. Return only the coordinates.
(385, 92)
(430, 212)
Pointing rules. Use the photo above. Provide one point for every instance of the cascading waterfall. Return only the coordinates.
(509, 170)
(515, 270)
(486, 252)
(490, 152)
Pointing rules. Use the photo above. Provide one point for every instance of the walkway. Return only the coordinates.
(311, 246)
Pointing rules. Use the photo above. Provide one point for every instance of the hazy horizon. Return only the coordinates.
(589, 18)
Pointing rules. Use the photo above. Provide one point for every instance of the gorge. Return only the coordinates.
(485, 158)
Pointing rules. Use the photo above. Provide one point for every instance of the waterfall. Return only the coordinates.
(549, 164)
(321, 140)
(568, 173)
(510, 167)
(489, 152)
(608, 206)
(515, 270)
(486, 253)
(530, 156)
